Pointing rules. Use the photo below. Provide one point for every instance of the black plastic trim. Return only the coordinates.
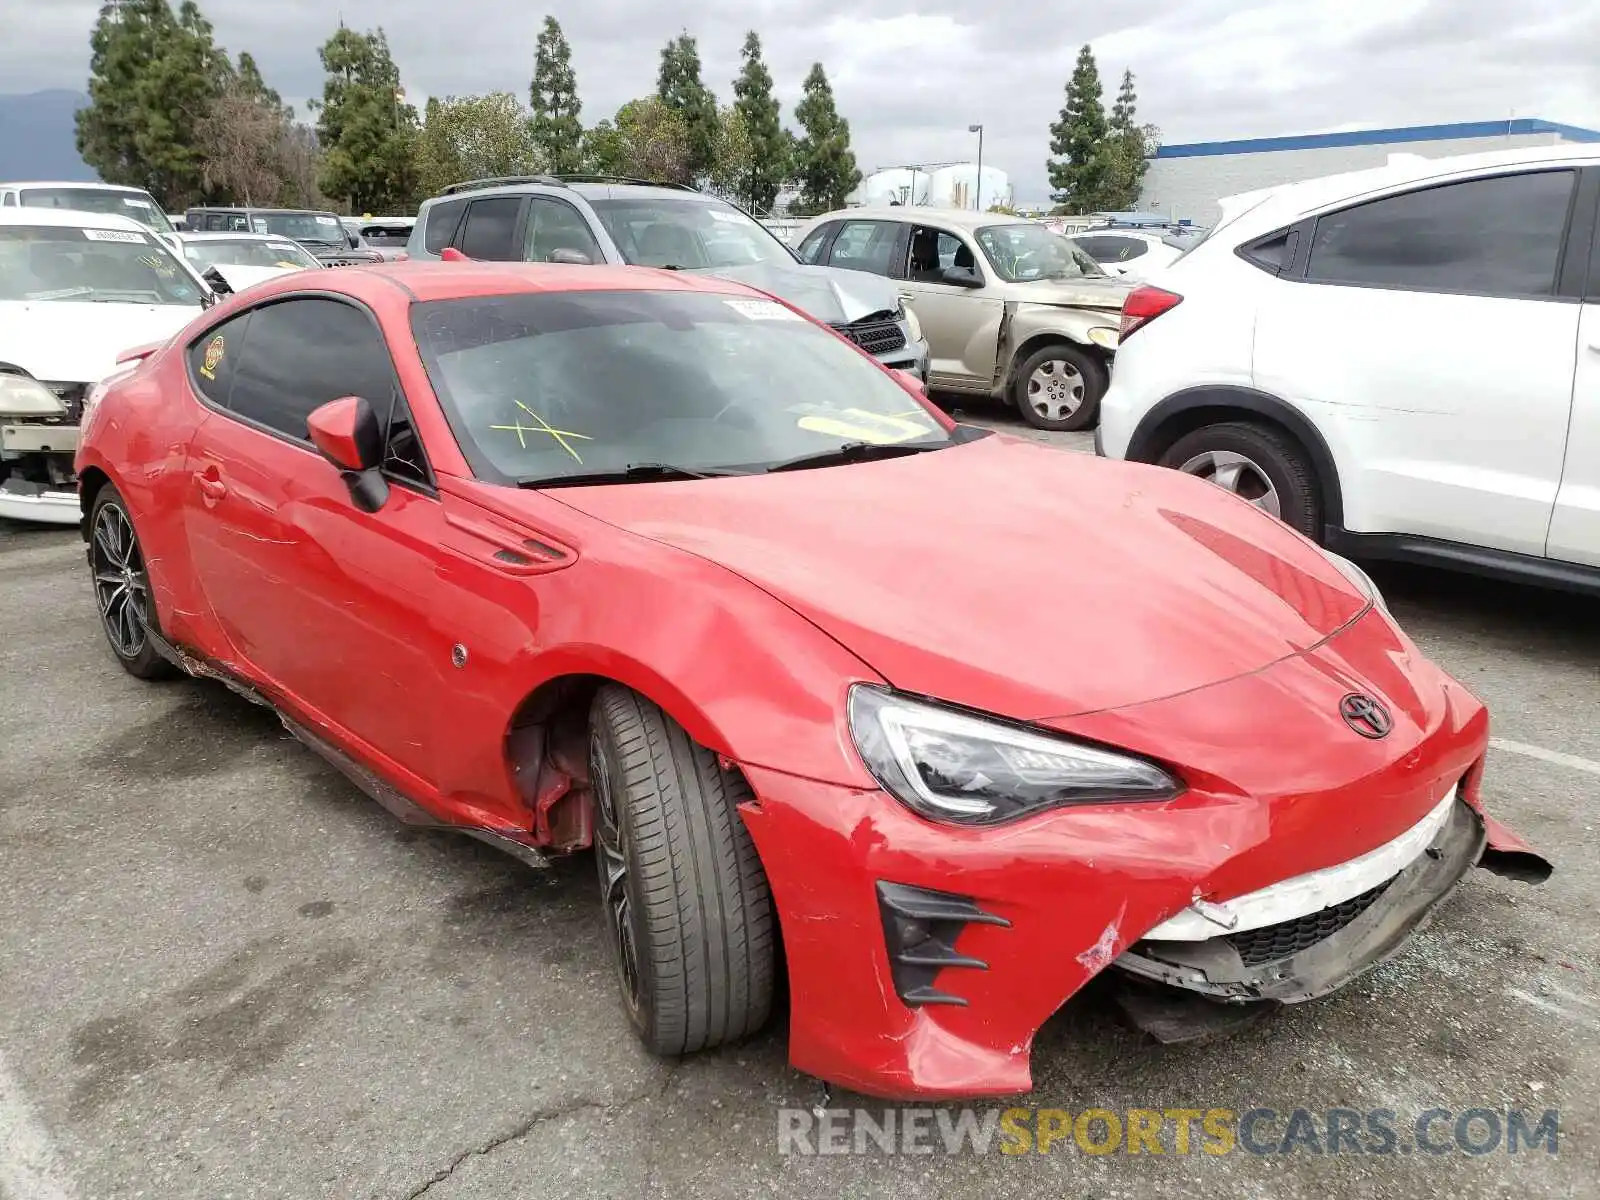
(920, 930)
(1472, 560)
(1580, 274)
(1141, 446)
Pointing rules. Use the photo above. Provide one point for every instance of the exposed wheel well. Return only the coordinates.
(89, 485)
(1159, 434)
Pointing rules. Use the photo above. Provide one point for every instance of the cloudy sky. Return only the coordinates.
(911, 77)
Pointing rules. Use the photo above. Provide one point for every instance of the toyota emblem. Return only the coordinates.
(1365, 715)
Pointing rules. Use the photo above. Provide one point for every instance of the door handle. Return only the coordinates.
(211, 485)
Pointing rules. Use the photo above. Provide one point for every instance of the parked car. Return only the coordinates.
(527, 517)
(1011, 310)
(1401, 363)
(204, 250)
(1132, 253)
(134, 203)
(587, 219)
(76, 289)
(385, 235)
(322, 233)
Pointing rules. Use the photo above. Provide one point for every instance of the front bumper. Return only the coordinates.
(21, 501)
(923, 958)
(913, 357)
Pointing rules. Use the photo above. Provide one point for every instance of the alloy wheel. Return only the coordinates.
(1056, 389)
(120, 585)
(611, 858)
(1233, 472)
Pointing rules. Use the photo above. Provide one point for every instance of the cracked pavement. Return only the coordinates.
(224, 973)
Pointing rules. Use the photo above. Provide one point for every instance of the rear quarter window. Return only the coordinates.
(443, 218)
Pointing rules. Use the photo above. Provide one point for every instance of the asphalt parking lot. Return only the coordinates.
(224, 973)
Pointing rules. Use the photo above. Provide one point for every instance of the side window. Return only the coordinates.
(442, 221)
(931, 251)
(10, 200)
(1493, 237)
(1274, 252)
(810, 250)
(302, 353)
(214, 359)
(1097, 248)
(1127, 249)
(864, 246)
(555, 225)
(489, 232)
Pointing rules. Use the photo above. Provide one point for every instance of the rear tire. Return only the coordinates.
(686, 902)
(1058, 387)
(1259, 463)
(122, 587)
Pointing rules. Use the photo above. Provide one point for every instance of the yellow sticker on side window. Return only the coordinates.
(214, 351)
(859, 425)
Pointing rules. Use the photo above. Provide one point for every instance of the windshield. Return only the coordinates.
(1025, 252)
(688, 234)
(138, 205)
(540, 386)
(64, 262)
(248, 252)
(320, 229)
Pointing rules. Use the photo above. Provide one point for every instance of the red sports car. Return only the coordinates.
(570, 556)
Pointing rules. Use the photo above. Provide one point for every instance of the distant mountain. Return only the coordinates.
(38, 137)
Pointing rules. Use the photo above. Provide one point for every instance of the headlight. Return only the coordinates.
(913, 326)
(953, 766)
(22, 396)
(1358, 577)
(1104, 336)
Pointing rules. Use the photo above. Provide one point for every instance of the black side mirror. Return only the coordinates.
(960, 277)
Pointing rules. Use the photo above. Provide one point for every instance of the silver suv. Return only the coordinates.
(582, 219)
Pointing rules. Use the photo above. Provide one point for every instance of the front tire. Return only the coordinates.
(1258, 463)
(1059, 388)
(687, 905)
(122, 587)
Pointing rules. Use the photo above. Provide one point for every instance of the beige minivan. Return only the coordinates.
(1010, 310)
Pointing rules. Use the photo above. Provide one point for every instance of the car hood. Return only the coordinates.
(829, 294)
(1085, 292)
(239, 276)
(1010, 576)
(67, 342)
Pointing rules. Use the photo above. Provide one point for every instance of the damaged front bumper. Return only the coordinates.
(21, 500)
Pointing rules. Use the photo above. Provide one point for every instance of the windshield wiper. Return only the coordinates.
(632, 473)
(854, 452)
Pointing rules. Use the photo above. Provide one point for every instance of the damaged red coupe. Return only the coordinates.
(570, 556)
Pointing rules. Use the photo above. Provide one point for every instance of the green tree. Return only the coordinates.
(557, 130)
(474, 137)
(767, 168)
(730, 165)
(646, 140)
(1077, 166)
(679, 87)
(367, 130)
(825, 167)
(252, 84)
(153, 77)
(1126, 149)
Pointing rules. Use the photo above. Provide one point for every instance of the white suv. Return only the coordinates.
(1401, 363)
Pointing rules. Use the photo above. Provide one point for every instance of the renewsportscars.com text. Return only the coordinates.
(1174, 1131)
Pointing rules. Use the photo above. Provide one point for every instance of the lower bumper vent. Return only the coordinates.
(920, 929)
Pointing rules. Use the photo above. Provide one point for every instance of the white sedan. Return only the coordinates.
(1134, 253)
(76, 289)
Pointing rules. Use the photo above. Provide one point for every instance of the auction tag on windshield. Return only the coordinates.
(282, 247)
(762, 310)
(114, 235)
(727, 218)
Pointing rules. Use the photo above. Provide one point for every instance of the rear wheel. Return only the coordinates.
(122, 587)
(1059, 387)
(1258, 463)
(686, 903)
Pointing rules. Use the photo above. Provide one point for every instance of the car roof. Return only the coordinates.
(71, 218)
(237, 235)
(590, 189)
(95, 185)
(960, 218)
(256, 208)
(428, 280)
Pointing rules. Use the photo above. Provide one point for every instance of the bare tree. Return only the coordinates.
(241, 143)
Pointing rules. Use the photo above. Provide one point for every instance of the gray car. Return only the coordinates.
(595, 219)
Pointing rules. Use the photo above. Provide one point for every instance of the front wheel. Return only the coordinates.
(122, 587)
(1059, 387)
(1257, 463)
(687, 907)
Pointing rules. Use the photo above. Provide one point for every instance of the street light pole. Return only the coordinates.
(977, 191)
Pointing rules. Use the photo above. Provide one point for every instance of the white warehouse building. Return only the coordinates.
(1185, 182)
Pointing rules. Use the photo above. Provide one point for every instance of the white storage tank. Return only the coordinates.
(896, 185)
(958, 186)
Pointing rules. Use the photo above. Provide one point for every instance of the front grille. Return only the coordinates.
(875, 337)
(1270, 942)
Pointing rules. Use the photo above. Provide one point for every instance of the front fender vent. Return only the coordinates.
(920, 929)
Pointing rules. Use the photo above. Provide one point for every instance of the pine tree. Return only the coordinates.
(153, 78)
(1127, 147)
(557, 130)
(1077, 166)
(757, 185)
(825, 167)
(680, 88)
(368, 133)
